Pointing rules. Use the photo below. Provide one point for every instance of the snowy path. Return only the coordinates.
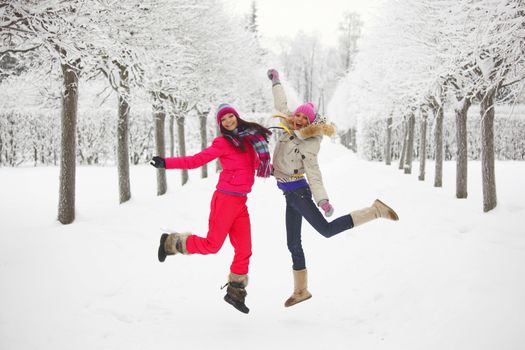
(446, 276)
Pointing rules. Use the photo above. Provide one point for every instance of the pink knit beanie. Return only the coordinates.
(308, 109)
(225, 109)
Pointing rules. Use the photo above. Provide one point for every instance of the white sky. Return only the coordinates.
(287, 17)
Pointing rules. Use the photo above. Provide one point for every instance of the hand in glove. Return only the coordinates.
(273, 75)
(327, 207)
(158, 162)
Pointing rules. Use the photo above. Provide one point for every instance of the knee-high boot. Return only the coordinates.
(300, 290)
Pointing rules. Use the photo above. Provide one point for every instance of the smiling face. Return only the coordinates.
(229, 121)
(299, 120)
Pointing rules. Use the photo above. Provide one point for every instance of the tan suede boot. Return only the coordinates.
(300, 291)
(173, 243)
(377, 210)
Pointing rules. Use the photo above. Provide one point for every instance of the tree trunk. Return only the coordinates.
(423, 145)
(203, 117)
(159, 117)
(462, 154)
(35, 155)
(11, 152)
(344, 139)
(487, 151)
(438, 143)
(1, 149)
(353, 145)
(404, 149)
(182, 146)
(122, 138)
(410, 144)
(171, 128)
(66, 202)
(388, 144)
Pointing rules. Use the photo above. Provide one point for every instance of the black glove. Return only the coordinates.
(158, 162)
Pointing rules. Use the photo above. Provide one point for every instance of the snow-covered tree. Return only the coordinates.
(349, 33)
(311, 69)
(58, 30)
(500, 62)
(122, 29)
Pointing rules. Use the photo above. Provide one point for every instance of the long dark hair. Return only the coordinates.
(243, 125)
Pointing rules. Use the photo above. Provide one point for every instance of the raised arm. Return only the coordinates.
(279, 97)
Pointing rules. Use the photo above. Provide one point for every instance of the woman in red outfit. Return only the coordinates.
(243, 152)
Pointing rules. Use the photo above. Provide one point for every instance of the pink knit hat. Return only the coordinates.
(225, 109)
(308, 109)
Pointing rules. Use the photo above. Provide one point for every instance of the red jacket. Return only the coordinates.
(238, 168)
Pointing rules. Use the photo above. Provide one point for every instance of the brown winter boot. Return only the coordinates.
(300, 291)
(377, 210)
(173, 243)
(236, 292)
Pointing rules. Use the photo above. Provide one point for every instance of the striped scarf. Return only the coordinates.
(259, 144)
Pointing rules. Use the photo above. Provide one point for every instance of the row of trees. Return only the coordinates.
(424, 55)
(174, 56)
(35, 138)
(509, 145)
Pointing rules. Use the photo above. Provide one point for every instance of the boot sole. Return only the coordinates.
(300, 301)
(394, 214)
(241, 307)
(161, 252)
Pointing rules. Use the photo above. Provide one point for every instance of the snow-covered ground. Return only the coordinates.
(446, 276)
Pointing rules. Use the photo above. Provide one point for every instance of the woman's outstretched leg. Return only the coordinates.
(377, 210)
(301, 201)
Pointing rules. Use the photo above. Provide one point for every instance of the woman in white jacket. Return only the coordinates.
(298, 175)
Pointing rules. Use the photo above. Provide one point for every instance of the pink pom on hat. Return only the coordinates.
(307, 109)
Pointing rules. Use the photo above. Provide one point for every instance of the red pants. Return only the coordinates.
(228, 214)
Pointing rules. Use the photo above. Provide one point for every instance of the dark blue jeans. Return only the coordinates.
(299, 204)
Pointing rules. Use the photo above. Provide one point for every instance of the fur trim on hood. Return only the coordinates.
(319, 129)
(311, 130)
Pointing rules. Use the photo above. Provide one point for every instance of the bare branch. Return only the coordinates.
(19, 50)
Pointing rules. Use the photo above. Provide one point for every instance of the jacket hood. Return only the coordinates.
(318, 129)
